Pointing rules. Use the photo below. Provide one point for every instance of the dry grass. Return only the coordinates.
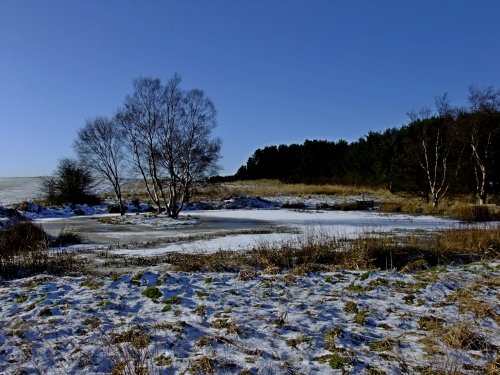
(472, 213)
(479, 243)
(461, 336)
(315, 252)
(459, 207)
(129, 351)
(468, 303)
(269, 188)
(203, 365)
(24, 250)
(67, 237)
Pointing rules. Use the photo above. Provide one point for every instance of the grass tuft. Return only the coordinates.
(152, 292)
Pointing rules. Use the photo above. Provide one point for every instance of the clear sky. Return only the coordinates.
(278, 71)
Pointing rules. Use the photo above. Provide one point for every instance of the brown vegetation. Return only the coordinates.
(317, 252)
(24, 250)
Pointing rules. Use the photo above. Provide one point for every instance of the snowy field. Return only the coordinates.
(19, 189)
(157, 321)
(341, 322)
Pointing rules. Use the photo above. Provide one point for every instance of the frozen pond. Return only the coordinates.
(213, 230)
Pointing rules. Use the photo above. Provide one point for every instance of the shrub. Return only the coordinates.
(71, 183)
(67, 238)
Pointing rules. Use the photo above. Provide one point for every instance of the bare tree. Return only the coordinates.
(192, 155)
(434, 161)
(485, 104)
(70, 183)
(99, 146)
(436, 144)
(168, 135)
(141, 120)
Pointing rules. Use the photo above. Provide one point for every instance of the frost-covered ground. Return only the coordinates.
(19, 189)
(443, 319)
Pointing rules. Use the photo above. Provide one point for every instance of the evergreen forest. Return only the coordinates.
(445, 151)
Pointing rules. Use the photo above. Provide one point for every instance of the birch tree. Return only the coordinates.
(99, 146)
(168, 134)
(437, 143)
(140, 120)
(485, 124)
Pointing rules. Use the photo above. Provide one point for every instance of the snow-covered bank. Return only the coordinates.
(358, 322)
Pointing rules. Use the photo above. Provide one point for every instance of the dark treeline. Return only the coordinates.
(450, 151)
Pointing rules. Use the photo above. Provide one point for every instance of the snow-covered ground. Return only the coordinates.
(443, 320)
(340, 322)
(19, 189)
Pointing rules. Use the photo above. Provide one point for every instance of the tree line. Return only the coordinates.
(446, 150)
(162, 135)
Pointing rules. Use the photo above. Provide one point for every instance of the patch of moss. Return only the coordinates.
(163, 361)
(22, 298)
(152, 292)
(336, 360)
(201, 294)
(91, 284)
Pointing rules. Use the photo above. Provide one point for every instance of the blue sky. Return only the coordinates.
(278, 71)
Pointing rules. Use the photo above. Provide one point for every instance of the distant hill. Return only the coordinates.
(19, 189)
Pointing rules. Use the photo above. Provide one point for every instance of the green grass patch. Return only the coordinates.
(152, 292)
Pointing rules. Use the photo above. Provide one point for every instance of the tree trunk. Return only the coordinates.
(121, 205)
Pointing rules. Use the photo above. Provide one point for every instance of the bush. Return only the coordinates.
(71, 183)
(67, 238)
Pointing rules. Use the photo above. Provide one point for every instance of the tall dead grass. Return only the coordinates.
(320, 251)
(24, 250)
(269, 188)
